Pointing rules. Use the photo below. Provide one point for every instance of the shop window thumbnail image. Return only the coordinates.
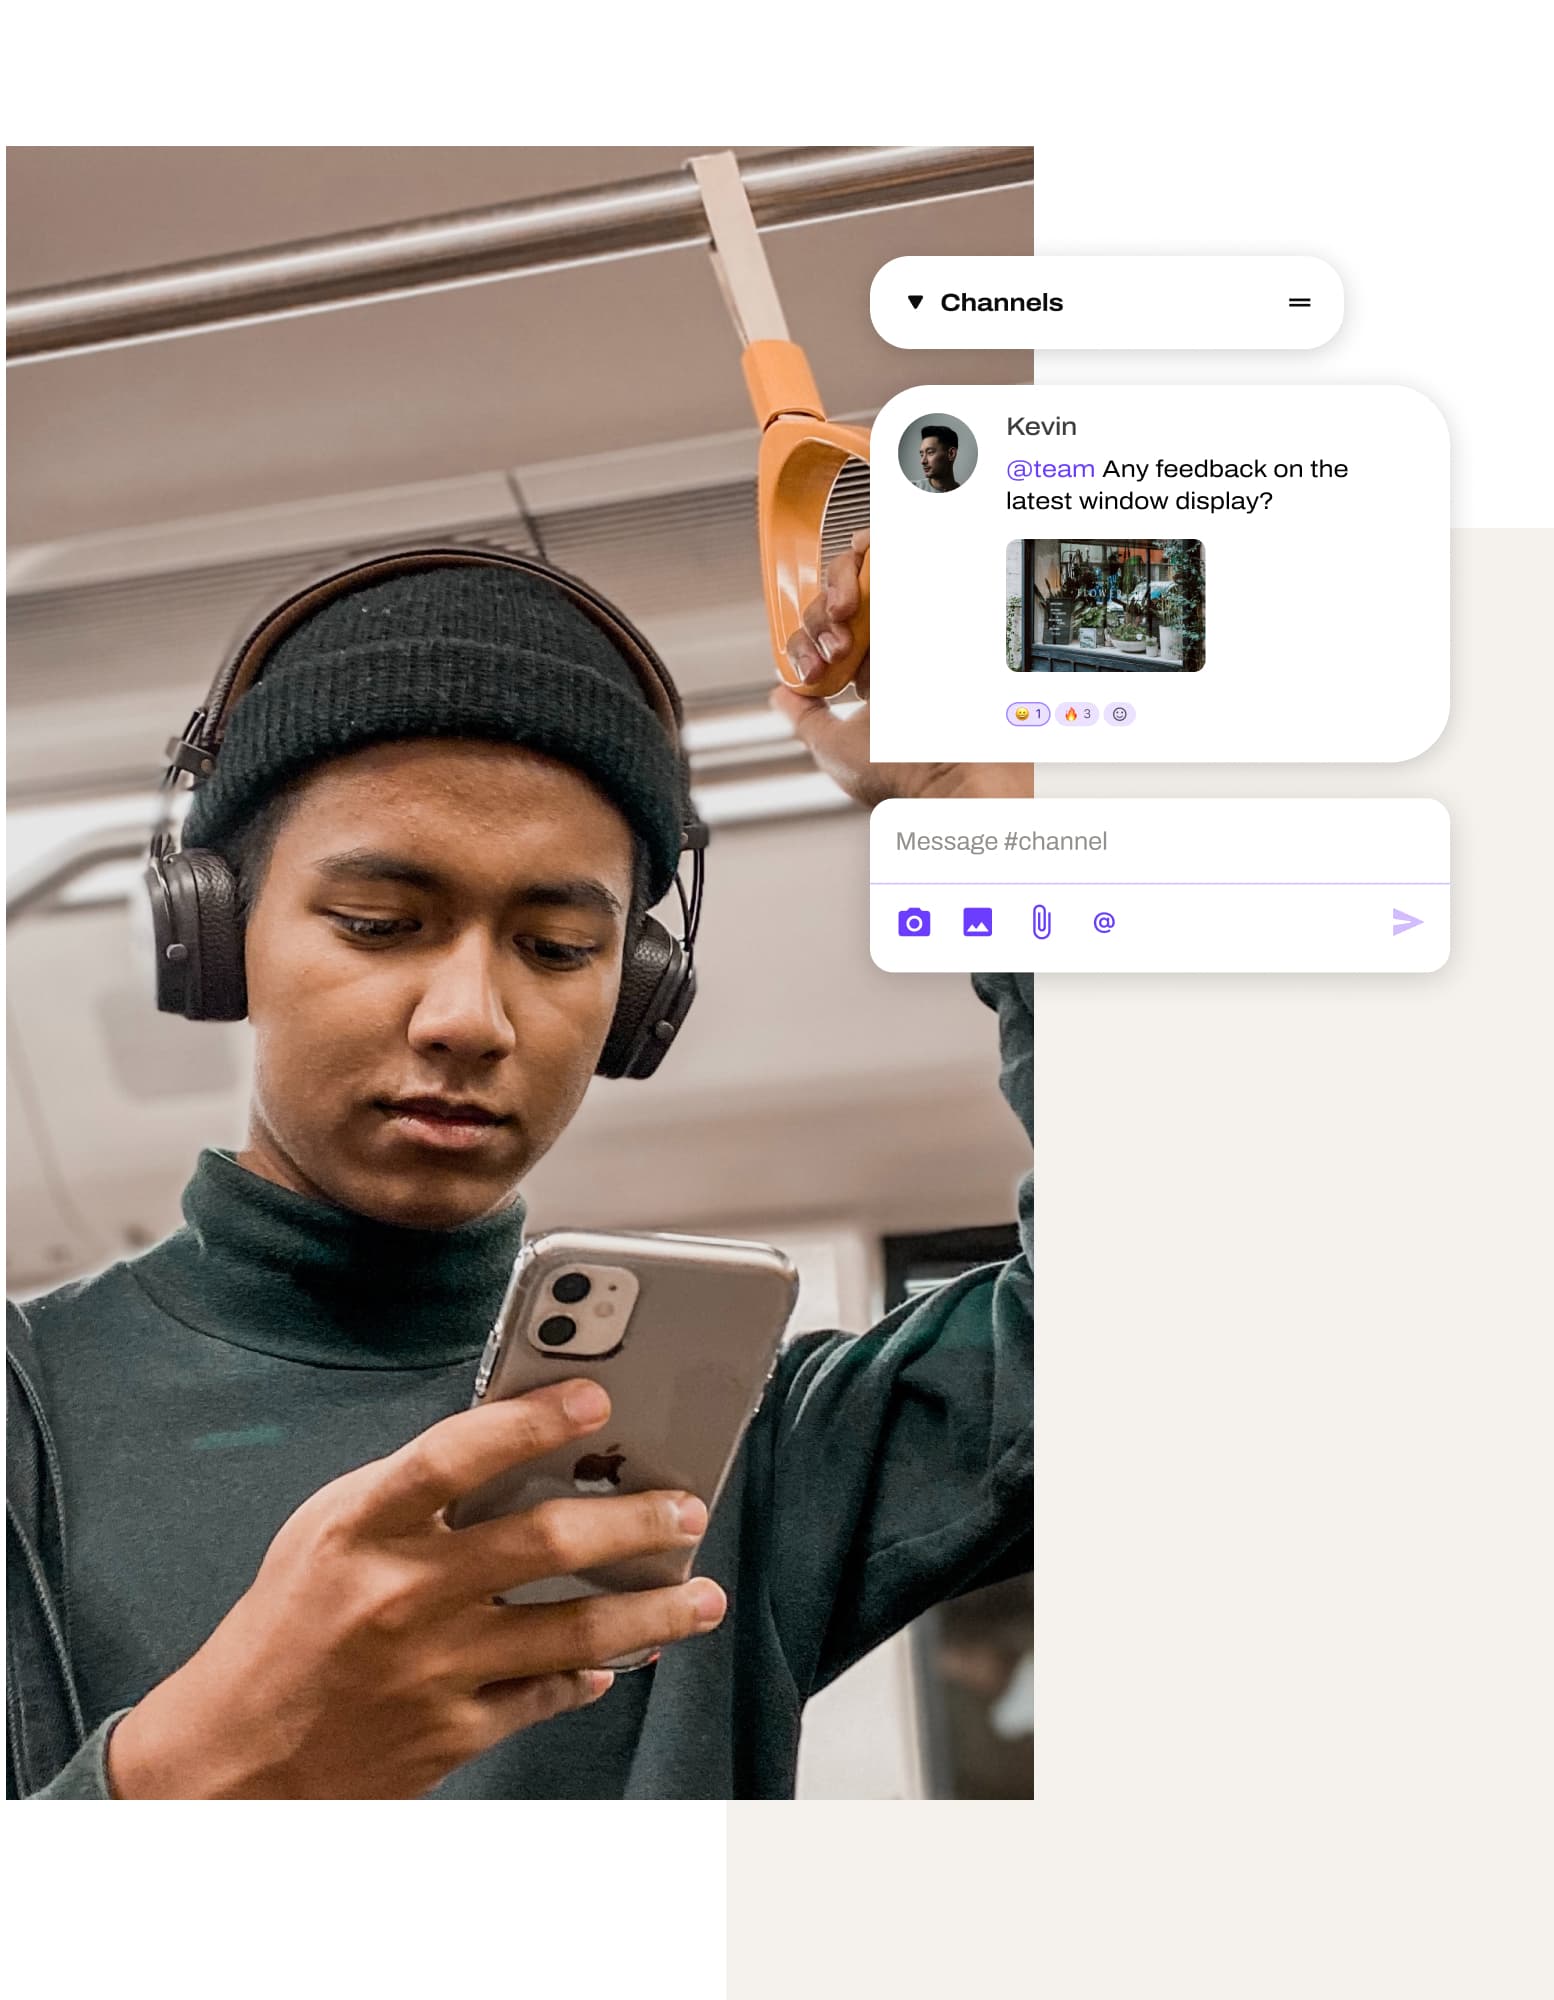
(1104, 607)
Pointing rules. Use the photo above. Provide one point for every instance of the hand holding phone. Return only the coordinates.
(682, 1330)
(368, 1658)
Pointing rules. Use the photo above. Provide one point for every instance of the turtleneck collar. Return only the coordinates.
(263, 1268)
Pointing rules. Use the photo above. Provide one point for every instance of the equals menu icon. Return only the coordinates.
(1300, 302)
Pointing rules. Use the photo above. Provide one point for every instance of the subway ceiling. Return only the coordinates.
(559, 365)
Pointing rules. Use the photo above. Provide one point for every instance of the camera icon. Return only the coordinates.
(913, 923)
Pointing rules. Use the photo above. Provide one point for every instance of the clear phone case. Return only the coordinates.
(684, 1378)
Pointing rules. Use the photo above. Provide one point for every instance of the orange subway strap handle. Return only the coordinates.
(777, 374)
(812, 496)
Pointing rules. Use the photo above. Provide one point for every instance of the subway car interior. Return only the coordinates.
(592, 412)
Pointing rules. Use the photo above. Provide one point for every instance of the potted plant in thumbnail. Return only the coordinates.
(1091, 624)
(1187, 586)
(1168, 609)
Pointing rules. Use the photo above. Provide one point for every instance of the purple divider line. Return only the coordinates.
(918, 882)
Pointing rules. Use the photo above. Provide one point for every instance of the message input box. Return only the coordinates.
(1160, 885)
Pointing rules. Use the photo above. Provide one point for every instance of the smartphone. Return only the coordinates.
(683, 1331)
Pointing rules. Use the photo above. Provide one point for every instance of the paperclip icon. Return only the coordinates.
(1042, 921)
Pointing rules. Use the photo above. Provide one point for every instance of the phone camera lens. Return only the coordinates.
(558, 1331)
(570, 1287)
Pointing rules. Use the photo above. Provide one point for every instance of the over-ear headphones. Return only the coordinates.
(196, 913)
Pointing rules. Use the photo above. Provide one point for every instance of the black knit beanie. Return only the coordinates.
(480, 651)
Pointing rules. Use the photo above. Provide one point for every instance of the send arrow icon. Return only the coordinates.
(1402, 921)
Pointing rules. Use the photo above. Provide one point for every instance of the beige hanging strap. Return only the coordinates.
(744, 276)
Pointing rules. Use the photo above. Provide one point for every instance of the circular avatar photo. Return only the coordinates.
(937, 452)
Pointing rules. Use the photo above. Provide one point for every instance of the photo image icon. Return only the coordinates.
(977, 922)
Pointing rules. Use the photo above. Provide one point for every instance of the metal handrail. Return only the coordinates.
(40, 881)
(549, 232)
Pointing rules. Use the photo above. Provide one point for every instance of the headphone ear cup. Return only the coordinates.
(198, 927)
(658, 985)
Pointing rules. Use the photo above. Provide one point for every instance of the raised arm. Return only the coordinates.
(899, 1461)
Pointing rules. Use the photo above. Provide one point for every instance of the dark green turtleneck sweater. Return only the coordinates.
(201, 1392)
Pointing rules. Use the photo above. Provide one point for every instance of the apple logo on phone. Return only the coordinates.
(599, 1471)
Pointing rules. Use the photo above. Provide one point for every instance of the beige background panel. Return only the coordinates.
(1294, 1384)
